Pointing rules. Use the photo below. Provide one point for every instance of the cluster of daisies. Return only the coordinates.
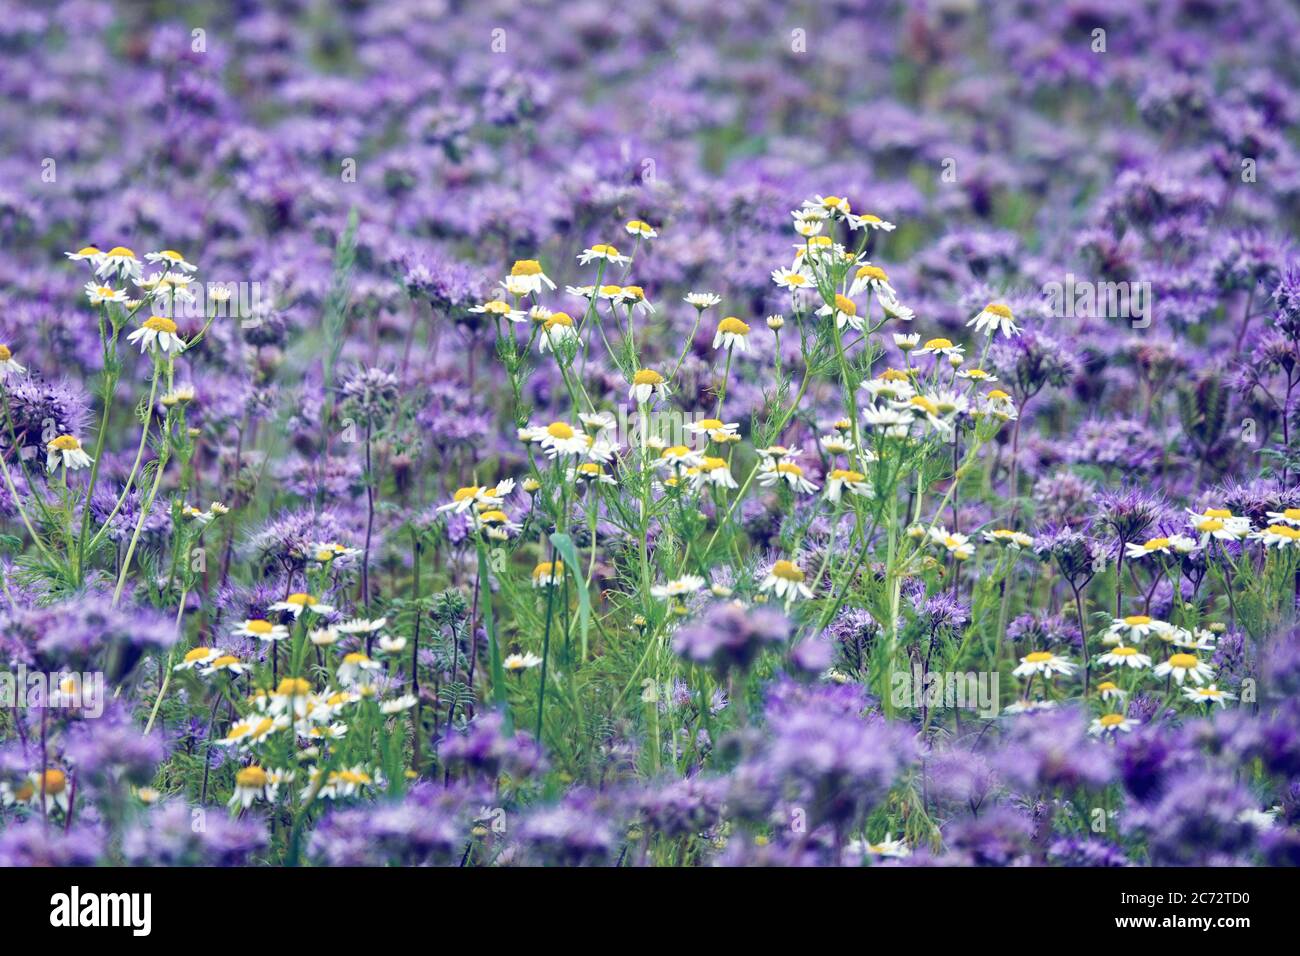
(289, 721)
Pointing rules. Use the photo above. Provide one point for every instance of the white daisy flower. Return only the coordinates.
(603, 252)
(527, 278)
(679, 587)
(98, 294)
(732, 334)
(1125, 657)
(262, 630)
(1184, 666)
(158, 333)
(702, 300)
(557, 438)
(994, 316)
(517, 663)
(771, 472)
(642, 230)
(787, 581)
(839, 480)
(1111, 724)
(298, 602)
(1208, 695)
(66, 451)
(647, 384)
(871, 278)
(1045, 663)
(845, 311)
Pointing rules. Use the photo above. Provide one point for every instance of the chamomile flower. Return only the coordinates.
(463, 499)
(1045, 663)
(679, 587)
(1198, 640)
(776, 323)
(557, 438)
(225, 664)
(548, 573)
(1177, 543)
(1220, 524)
(1109, 690)
(828, 205)
(253, 730)
(647, 384)
(958, 545)
(870, 221)
(678, 458)
(1134, 628)
(887, 848)
(840, 480)
(527, 278)
(711, 472)
(356, 668)
(1183, 667)
(808, 223)
(603, 252)
(1125, 657)
(1012, 539)
(977, 375)
(778, 452)
(66, 451)
(906, 342)
(891, 422)
(173, 260)
(940, 347)
(518, 663)
(99, 294)
(894, 309)
(1208, 695)
(871, 278)
(158, 333)
(496, 524)
(732, 334)
(324, 552)
(49, 789)
(642, 230)
(89, 254)
(501, 309)
(1280, 536)
(845, 311)
(557, 329)
(994, 316)
(252, 783)
(298, 602)
(772, 472)
(197, 657)
(702, 300)
(836, 443)
(590, 472)
(262, 630)
(8, 366)
(717, 430)
(892, 385)
(1111, 724)
(793, 280)
(1288, 516)
(634, 296)
(398, 705)
(787, 581)
(120, 261)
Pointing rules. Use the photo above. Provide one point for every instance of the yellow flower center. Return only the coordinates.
(1183, 661)
(998, 309)
(258, 627)
(846, 305)
(120, 252)
(647, 376)
(604, 250)
(1218, 513)
(65, 443)
(293, 687)
(158, 323)
(1038, 657)
(733, 326)
(548, 569)
(559, 430)
(198, 654)
(1283, 531)
(788, 571)
(938, 344)
(1105, 686)
(1210, 524)
(1133, 620)
(1292, 514)
(526, 267)
(559, 318)
(225, 660)
(252, 778)
(5, 354)
(464, 494)
(1124, 651)
(893, 375)
(843, 474)
(873, 272)
(1155, 544)
(997, 395)
(493, 517)
(53, 782)
(1111, 720)
(300, 599)
(788, 468)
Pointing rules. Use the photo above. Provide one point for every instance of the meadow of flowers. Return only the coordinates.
(707, 432)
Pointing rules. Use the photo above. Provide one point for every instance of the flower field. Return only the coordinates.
(695, 434)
